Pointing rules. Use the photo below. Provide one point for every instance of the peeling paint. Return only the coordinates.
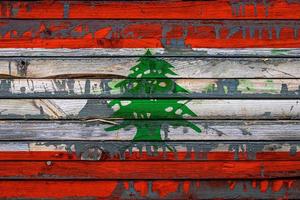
(239, 6)
(104, 149)
(113, 31)
(209, 189)
(66, 9)
(22, 66)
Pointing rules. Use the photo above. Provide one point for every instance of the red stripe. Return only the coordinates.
(164, 189)
(148, 34)
(221, 9)
(213, 156)
(148, 169)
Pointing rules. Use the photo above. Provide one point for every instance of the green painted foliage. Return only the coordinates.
(148, 77)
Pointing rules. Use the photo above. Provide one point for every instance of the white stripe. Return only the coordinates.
(157, 51)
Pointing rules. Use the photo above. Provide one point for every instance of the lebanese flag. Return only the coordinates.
(149, 99)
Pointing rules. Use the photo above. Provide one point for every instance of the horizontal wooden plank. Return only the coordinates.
(156, 189)
(148, 109)
(174, 34)
(145, 151)
(227, 9)
(119, 67)
(150, 170)
(96, 130)
(136, 156)
(133, 52)
(105, 88)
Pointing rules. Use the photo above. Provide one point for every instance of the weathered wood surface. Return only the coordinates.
(94, 130)
(149, 170)
(99, 108)
(134, 52)
(143, 151)
(156, 189)
(63, 150)
(91, 155)
(105, 88)
(222, 9)
(184, 67)
(176, 34)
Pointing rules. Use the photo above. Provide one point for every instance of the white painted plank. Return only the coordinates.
(211, 130)
(64, 52)
(184, 67)
(98, 108)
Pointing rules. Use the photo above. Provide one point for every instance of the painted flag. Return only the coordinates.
(149, 99)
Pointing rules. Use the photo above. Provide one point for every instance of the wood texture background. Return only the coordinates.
(61, 60)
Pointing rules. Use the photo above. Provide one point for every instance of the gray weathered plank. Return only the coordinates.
(140, 109)
(185, 67)
(106, 52)
(95, 130)
(105, 88)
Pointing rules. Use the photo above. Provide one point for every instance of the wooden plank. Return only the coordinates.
(150, 170)
(105, 88)
(143, 151)
(109, 52)
(119, 67)
(156, 109)
(95, 130)
(269, 9)
(157, 189)
(153, 189)
(136, 156)
(176, 34)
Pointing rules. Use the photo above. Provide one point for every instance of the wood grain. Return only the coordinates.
(145, 151)
(99, 108)
(54, 113)
(119, 67)
(224, 9)
(135, 52)
(105, 88)
(94, 130)
(162, 189)
(136, 156)
(149, 170)
(172, 34)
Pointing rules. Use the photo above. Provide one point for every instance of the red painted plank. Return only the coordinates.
(213, 9)
(148, 33)
(135, 156)
(37, 155)
(148, 169)
(223, 189)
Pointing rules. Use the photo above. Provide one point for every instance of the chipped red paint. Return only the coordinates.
(173, 25)
(162, 189)
(170, 9)
(176, 34)
(149, 170)
(143, 156)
